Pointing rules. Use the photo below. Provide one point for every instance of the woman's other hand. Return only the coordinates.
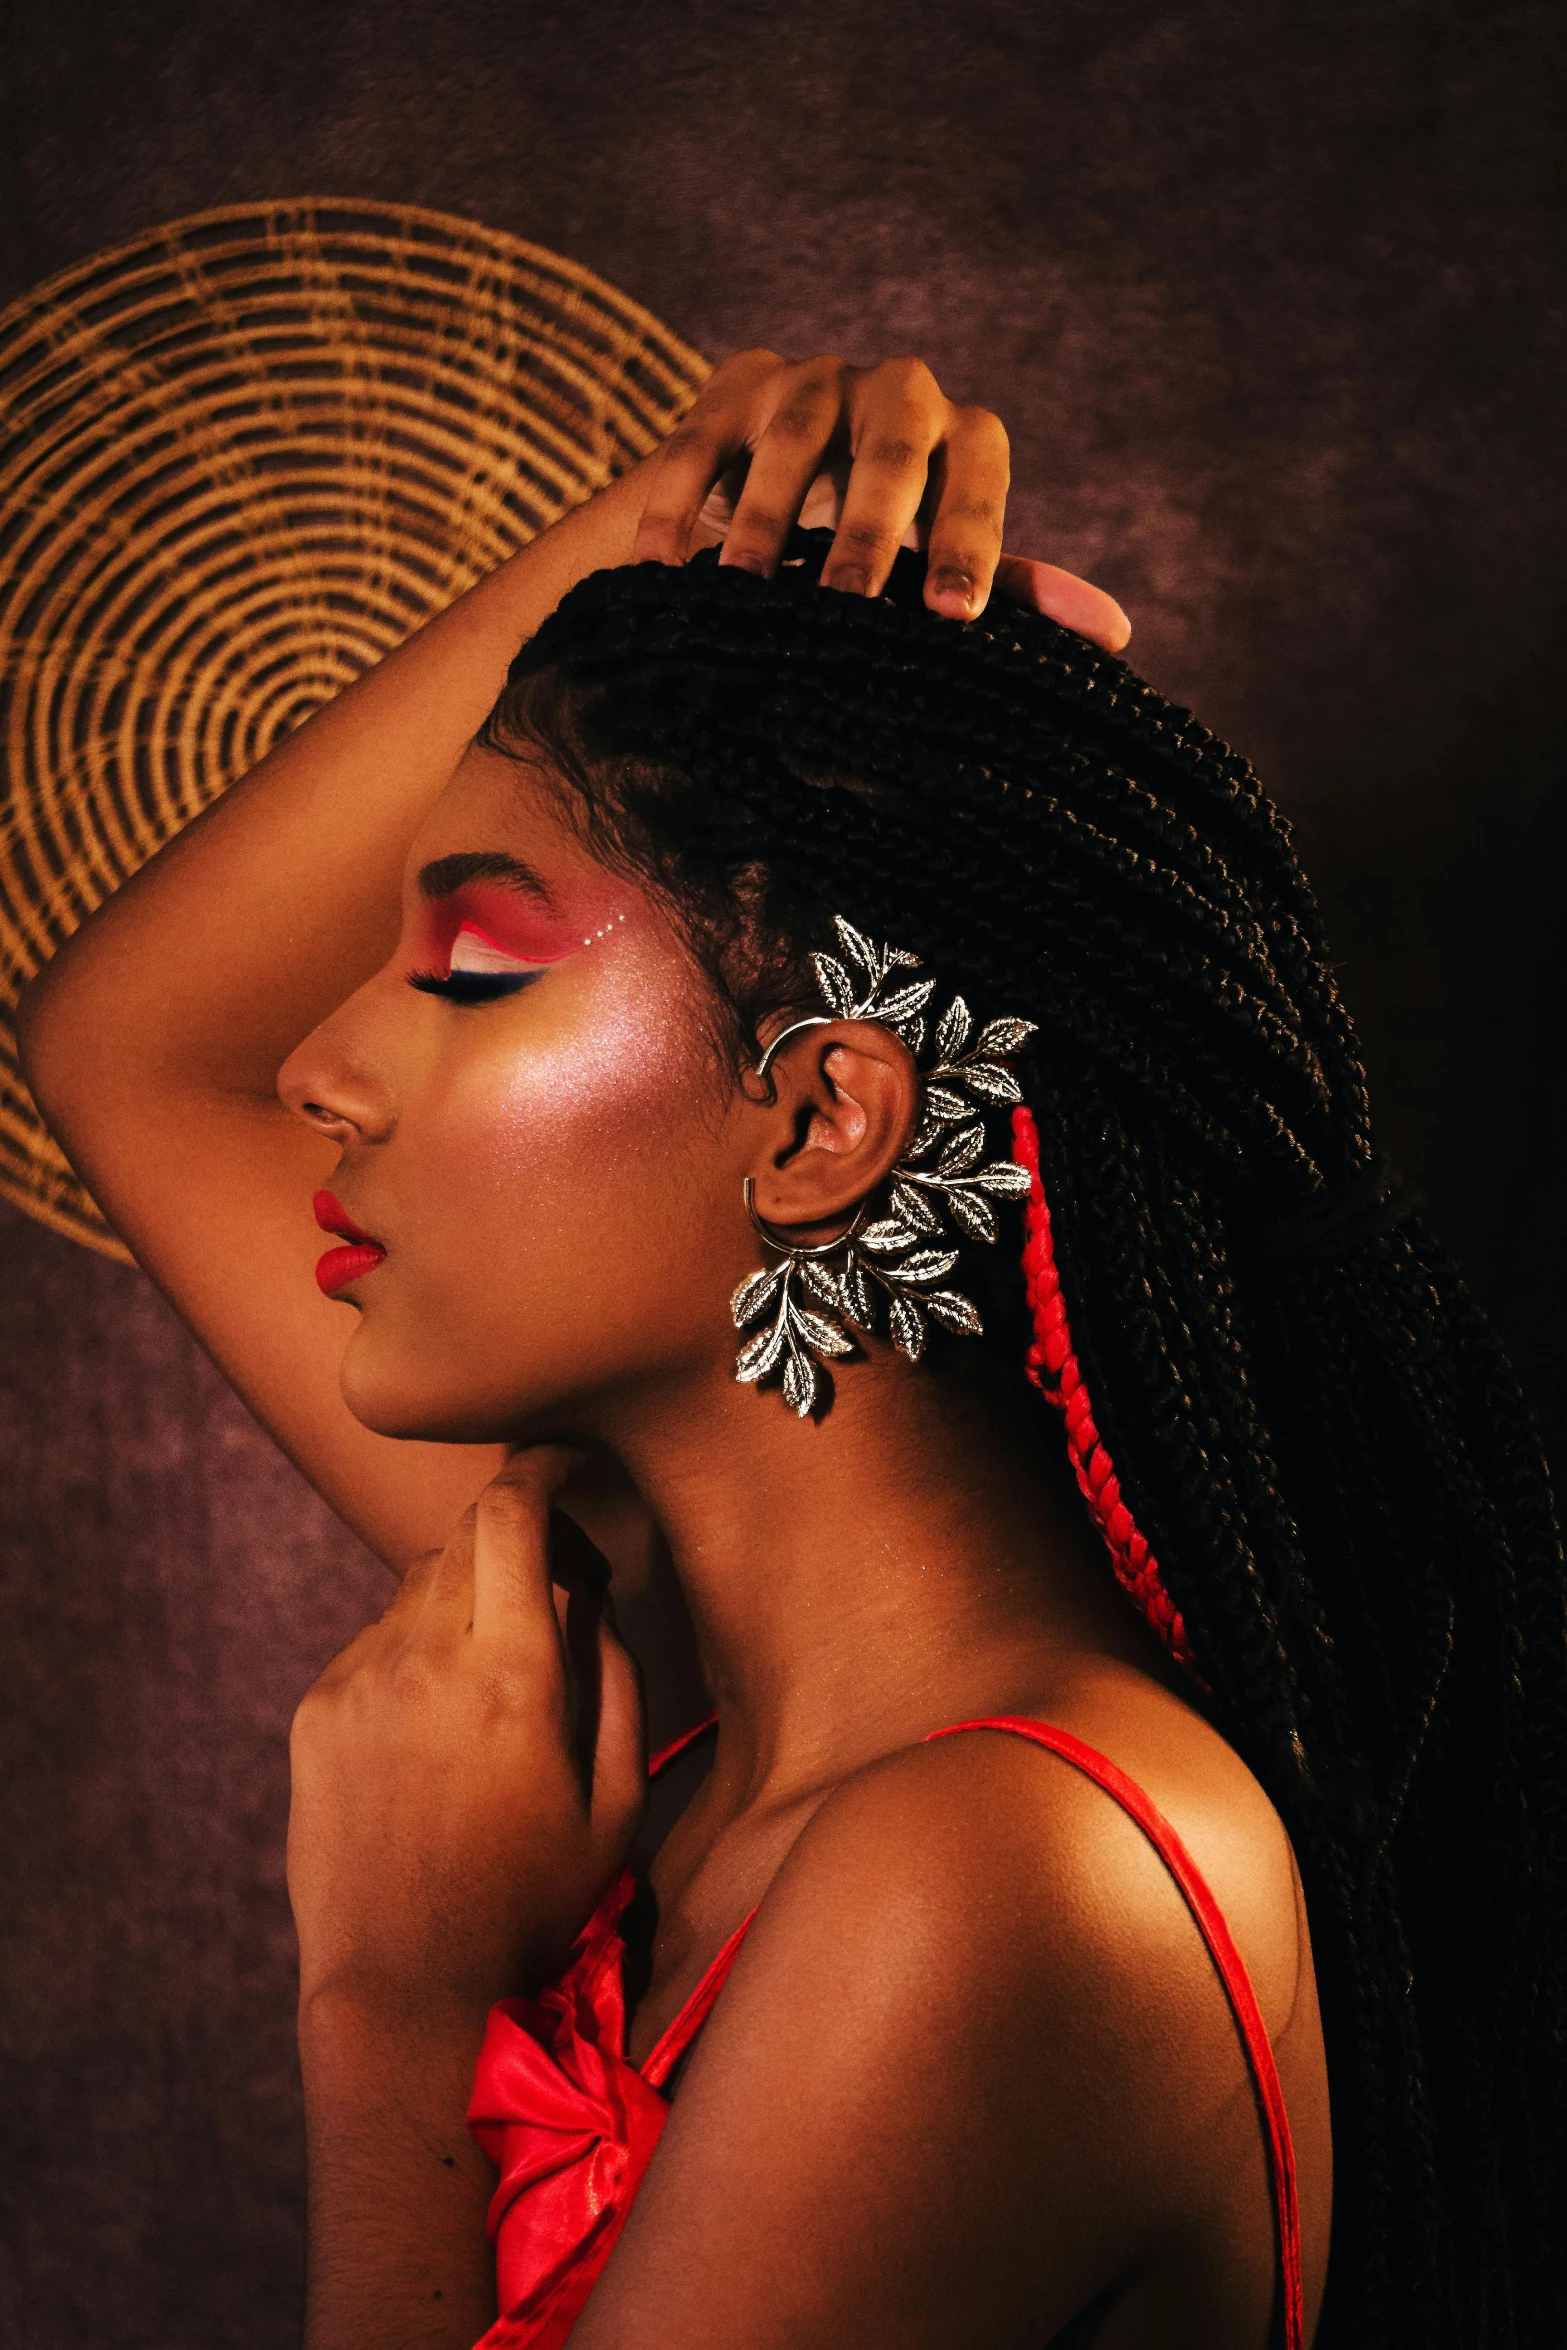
(468, 1776)
(469, 1773)
(877, 454)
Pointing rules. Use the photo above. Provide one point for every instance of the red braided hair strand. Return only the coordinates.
(1053, 1367)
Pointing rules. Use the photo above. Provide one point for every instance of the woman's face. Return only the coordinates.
(537, 1130)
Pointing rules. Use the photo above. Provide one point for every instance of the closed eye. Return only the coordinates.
(472, 987)
(479, 970)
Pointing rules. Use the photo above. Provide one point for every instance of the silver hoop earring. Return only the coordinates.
(818, 1297)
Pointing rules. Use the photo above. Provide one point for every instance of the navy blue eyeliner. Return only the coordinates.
(472, 987)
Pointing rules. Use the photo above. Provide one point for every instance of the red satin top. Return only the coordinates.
(571, 2125)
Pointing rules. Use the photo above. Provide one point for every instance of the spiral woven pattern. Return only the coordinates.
(240, 460)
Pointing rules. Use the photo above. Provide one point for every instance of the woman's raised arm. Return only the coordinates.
(153, 1040)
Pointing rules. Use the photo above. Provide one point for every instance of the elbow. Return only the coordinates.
(50, 1046)
(29, 1024)
(34, 1035)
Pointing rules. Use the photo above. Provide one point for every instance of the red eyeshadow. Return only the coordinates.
(506, 919)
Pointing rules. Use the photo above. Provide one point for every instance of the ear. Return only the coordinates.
(844, 1106)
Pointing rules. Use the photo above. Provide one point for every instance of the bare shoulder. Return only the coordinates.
(986, 1827)
(986, 1831)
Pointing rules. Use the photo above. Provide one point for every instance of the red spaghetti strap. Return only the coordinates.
(1232, 1973)
(667, 1754)
(677, 2037)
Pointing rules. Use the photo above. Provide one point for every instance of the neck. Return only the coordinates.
(857, 1580)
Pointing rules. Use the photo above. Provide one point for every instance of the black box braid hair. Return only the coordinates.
(1326, 1452)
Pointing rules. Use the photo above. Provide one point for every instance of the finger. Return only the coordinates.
(1061, 595)
(409, 1596)
(823, 507)
(376, 1641)
(897, 417)
(617, 1777)
(576, 1561)
(974, 474)
(512, 1578)
(699, 451)
(437, 1593)
(718, 507)
(790, 451)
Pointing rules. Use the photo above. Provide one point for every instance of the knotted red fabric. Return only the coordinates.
(569, 2123)
(570, 2126)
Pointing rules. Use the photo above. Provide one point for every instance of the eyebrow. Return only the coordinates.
(449, 874)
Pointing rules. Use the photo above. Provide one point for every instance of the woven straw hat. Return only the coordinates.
(240, 459)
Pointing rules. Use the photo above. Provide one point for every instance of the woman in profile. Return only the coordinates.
(823, 1049)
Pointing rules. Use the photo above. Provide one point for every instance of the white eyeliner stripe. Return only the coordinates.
(470, 952)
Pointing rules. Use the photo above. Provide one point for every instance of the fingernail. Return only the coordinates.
(849, 583)
(954, 596)
(744, 562)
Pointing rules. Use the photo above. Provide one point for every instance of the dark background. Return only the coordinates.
(1269, 297)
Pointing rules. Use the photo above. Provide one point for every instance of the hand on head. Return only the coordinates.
(878, 455)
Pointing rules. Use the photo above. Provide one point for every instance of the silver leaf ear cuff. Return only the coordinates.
(816, 1298)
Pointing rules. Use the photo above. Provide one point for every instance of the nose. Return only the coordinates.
(334, 1081)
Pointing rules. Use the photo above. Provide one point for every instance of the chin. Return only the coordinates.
(407, 1398)
(401, 1392)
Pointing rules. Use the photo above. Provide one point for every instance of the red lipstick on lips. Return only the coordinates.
(340, 1266)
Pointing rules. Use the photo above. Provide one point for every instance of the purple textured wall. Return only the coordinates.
(1270, 297)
